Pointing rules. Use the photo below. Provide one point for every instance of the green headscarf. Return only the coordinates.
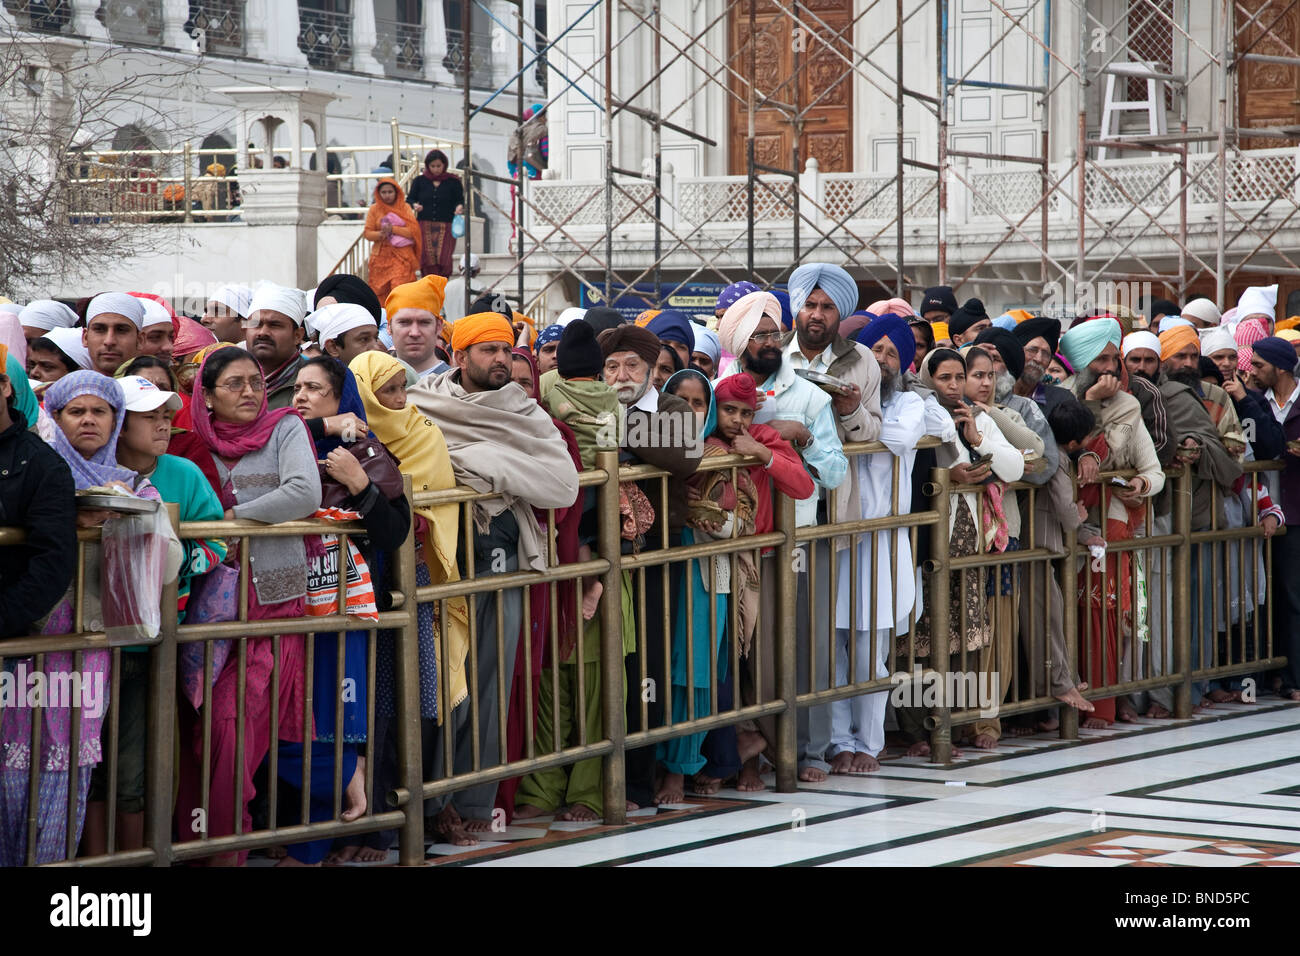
(24, 397)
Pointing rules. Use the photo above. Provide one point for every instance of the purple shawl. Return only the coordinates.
(101, 467)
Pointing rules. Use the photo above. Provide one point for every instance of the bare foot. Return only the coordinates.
(672, 789)
(1125, 713)
(706, 785)
(369, 854)
(1157, 712)
(864, 763)
(344, 855)
(1075, 699)
(452, 829)
(276, 852)
(526, 811)
(1052, 723)
(354, 798)
(478, 826)
(591, 599)
(290, 861)
(1292, 694)
(578, 813)
(922, 749)
(985, 741)
(812, 775)
(749, 780)
(630, 806)
(1096, 723)
(1225, 696)
(841, 762)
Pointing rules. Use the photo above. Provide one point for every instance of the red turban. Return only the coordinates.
(736, 388)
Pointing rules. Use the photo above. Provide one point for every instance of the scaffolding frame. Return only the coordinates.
(550, 245)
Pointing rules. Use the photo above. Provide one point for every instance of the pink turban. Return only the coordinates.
(899, 307)
(742, 317)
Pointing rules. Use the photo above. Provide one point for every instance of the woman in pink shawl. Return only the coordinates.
(266, 465)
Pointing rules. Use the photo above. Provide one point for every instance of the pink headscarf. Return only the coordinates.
(11, 336)
(191, 336)
(234, 439)
(899, 307)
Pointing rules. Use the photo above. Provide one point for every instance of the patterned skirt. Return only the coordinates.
(969, 594)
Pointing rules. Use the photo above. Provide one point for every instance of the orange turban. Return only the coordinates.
(528, 324)
(481, 327)
(1173, 341)
(646, 317)
(426, 294)
(1290, 322)
(1020, 315)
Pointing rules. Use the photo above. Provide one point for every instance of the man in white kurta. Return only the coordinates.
(885, 569)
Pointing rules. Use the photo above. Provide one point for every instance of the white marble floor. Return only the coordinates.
(1222, 789)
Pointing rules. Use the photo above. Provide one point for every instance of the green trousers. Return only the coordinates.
(559, 787)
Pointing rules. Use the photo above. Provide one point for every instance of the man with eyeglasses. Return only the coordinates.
(274, 334)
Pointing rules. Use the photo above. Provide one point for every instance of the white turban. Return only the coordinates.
(742, 317)
(333, 320)
(278, 298)
(570, 315)
(831, 279)
(155, 313)
(1139, 340)
(1216, 340)
(1202, 310)
(116, 303)
(1257, 300)
(69, 343)
(47, 314)
(234, 297)
(12, 307)
(1173, 321)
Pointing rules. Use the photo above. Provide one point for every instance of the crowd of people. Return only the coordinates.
(278, 404)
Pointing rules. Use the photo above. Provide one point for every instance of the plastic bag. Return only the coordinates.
(131, 575)
(458, 225)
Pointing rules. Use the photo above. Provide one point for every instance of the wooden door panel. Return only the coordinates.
(1267, 92)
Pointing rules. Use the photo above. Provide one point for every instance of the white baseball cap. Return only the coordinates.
(469, 262)
(143, 395)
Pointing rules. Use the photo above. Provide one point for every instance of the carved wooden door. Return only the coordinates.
(820, 42)
(1268, 94)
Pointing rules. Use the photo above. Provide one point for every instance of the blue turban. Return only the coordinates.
(673, 326)
(1085, 340)
(898, 331)
(1004, 321)
(832, 280)
(783, 298)
(551, 333)
(734, 293)
(1277, 352)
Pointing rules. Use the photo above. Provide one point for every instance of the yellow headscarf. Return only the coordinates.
(418, 444)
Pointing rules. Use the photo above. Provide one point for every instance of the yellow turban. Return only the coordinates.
(1173, 341)
(940, 330)
(481, 327)
(1020, 315)
(1290, 335)
(646, 317)
(427, 294)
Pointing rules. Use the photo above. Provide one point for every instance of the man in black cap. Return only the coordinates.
(968, 322)
(1039, 338)
(1159, 309)
(938, 303)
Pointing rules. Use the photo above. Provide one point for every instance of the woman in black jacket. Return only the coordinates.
(437, 197)
(357, 475)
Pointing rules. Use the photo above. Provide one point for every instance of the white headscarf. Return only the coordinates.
(117, 303)
(155, 313)
(1202, 310)
(1139, 340)
(278, 298)
(70, 344)
(47, 314)
(1258, 300)
(571, 314)
(332, 321)
(1216, 340)
(234, 297)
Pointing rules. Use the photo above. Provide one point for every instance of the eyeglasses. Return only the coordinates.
(761, 337)
(236, 386)
(311, 388)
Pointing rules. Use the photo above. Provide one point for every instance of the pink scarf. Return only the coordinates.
(233, 439)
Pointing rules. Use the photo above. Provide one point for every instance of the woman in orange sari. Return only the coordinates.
(391, 226)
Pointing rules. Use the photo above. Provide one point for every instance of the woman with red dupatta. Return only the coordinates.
(518, 725)
(391, 226)
(266, 468)
(437, 197)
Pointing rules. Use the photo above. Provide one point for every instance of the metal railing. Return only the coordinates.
(222, 23)
(326, 37)
(400, 48)
(480, 58)
(43, 16)
(595, 703)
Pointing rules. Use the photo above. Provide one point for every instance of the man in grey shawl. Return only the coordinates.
(500, 441)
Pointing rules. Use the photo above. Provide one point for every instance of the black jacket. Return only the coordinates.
(36, 495)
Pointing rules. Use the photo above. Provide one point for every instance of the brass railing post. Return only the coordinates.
(397, 151)
(187, 173)
(1182, 554)
(612, 670)
(407, 725)
(940, 584)
(162, 722)
(786, 633)
(1068, 716)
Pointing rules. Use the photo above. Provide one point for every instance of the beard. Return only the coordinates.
(766, 363)
(1084, 379)
(1003, 387)
(1191, 377)
(888, 383)
(818, 336)
(488, 379)
(1033, 374)
(1153, 379)
(631, 394)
